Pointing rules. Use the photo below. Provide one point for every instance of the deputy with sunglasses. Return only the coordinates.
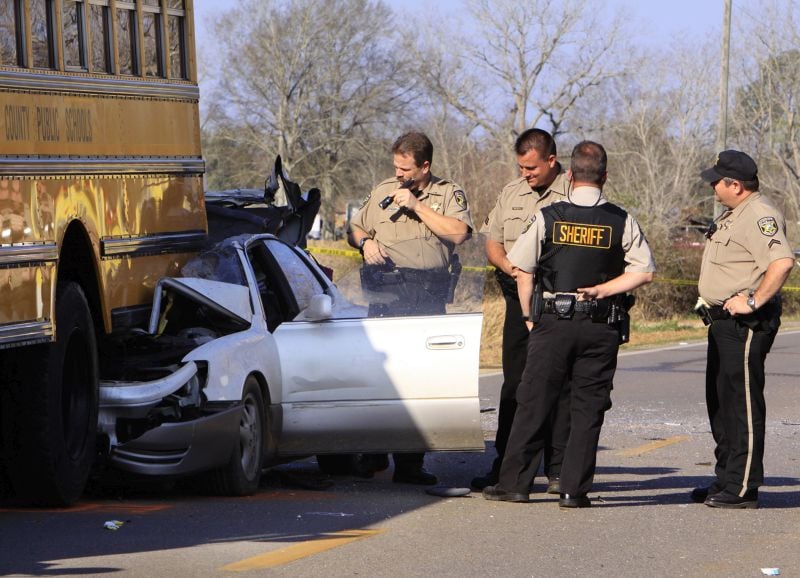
(745, 263)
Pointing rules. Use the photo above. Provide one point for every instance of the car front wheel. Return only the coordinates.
(241, 475)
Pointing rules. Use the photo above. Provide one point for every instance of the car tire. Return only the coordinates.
(50, 408)
(335, 464)
(242, 474)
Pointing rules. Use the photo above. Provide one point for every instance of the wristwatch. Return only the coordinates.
(362, 242)
(751, 301)
(526, 318)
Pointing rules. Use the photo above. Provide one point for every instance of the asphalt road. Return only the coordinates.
(656, 446)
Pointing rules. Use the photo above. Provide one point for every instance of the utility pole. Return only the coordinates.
(722, 129)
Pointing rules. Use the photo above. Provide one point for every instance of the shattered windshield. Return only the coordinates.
(221, 263)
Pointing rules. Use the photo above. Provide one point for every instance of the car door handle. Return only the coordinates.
(445, 342)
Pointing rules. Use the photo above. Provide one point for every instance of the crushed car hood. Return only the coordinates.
(226, 298)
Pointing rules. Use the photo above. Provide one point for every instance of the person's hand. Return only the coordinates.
(737, 305)
(374, 253)
(529, 325)
(588, 293)
(405, 199)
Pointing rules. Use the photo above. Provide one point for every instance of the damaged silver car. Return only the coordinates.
(255, 356)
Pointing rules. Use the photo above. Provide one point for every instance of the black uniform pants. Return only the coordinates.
(575, 356)
(515, 353)
(735, 401)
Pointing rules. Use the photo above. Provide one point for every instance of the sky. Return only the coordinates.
(667, 19)
(660, 21)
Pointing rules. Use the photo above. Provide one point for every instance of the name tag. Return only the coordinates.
(597, 236)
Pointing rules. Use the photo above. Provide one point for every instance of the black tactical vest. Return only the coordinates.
(582, 246)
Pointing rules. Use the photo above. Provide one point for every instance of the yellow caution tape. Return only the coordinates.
(357, 255)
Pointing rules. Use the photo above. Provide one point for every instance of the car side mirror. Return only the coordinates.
(319, 309)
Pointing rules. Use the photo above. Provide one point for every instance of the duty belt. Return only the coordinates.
(549, 306)
(717, 312)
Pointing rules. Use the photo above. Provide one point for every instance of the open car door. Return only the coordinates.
(355, 383)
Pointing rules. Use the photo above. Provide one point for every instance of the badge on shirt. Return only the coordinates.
(461, 199)
(435, 206)
(768, 226)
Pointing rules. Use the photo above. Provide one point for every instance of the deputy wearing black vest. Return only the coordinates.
(586, 254)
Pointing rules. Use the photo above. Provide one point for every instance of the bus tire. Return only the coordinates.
(53, 432)
(242, 474)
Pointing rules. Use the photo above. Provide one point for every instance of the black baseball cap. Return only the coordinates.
(732, 165)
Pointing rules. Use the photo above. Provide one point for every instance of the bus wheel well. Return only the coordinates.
(76, 263)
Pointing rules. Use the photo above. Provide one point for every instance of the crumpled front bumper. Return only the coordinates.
(174, 447)
(181, 448)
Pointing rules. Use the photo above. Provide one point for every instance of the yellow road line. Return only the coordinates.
(301, 550)
(654, 445)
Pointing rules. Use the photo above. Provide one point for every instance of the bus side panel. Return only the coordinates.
(26, 293)
(97, 126)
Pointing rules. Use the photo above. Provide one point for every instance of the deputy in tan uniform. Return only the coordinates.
(746, 261)
(585, 254)
(541, 182)
(407, 235)
(409, 232)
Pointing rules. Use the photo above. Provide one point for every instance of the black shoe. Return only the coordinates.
(366, 465)
(488, 479)
(573, 501)
(553, 485)
(726, 499)
(416, 476)
(495, 493)
(699, 495)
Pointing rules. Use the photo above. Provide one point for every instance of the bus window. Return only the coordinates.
(177, 41)
(126, 38)
(74, 36)
(8, 33)
(101, 37)
(42, 33)
(153, 44)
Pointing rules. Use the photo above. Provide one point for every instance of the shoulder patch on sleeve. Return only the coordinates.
(461, 199)
(768, 226)
(366, 200)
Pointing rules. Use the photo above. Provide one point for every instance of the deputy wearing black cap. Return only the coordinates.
(745, 263)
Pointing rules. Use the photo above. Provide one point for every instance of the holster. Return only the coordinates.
(618, 307)
(537, 301)
(508, 285)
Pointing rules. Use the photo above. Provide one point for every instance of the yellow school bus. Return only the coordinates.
(100, 196)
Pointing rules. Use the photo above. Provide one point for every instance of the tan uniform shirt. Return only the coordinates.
(406, 239)
(748, 238)
(638, 257)
(515, 207)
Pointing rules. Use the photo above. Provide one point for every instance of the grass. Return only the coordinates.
(643, 333)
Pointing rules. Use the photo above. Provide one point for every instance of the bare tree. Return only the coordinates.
(526, 64)
(766, 119)
(311, 80)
